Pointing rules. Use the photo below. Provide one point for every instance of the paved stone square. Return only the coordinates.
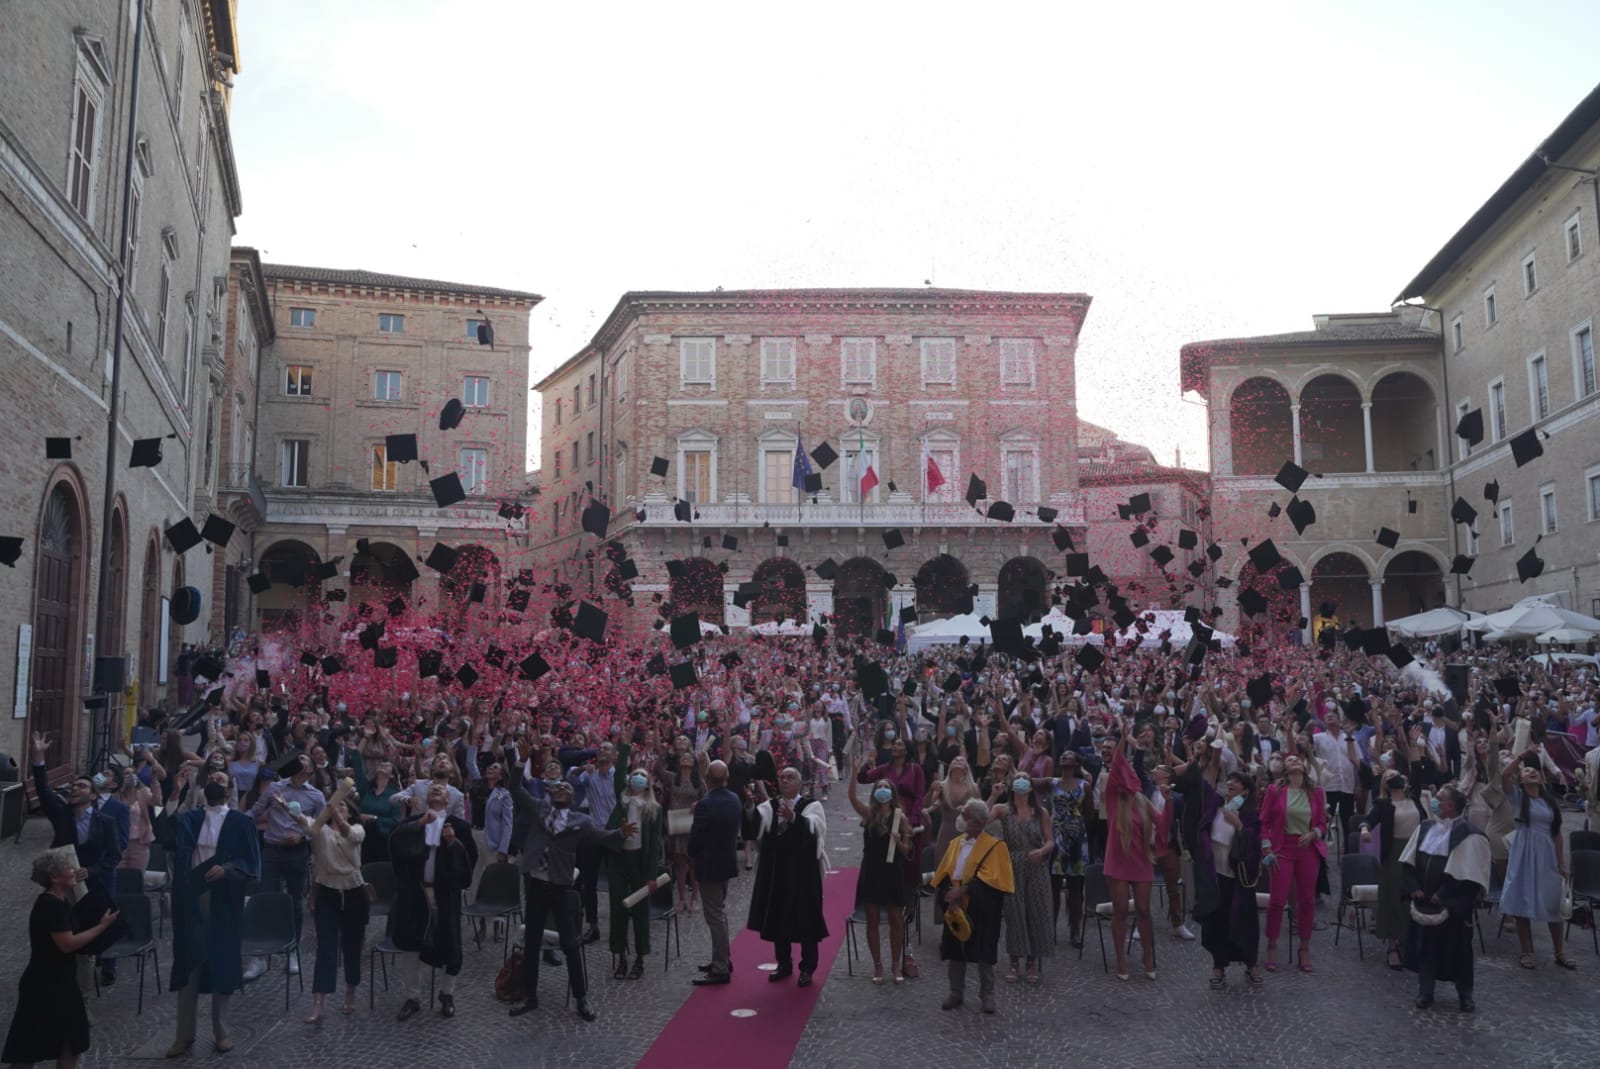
(1349, 1013)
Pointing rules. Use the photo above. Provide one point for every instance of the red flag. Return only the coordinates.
(935, 476)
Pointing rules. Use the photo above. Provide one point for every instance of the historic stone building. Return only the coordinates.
(723, 386)
(117, 193)
(357, 357)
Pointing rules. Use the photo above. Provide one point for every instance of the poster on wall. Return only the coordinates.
(19, 703)
(166, 637)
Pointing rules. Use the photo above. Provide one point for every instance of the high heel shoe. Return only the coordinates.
(1305, 966)
(899, 979)
(877, 974)
(1271, 964)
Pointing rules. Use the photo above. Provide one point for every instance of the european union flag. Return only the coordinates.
(802, 464)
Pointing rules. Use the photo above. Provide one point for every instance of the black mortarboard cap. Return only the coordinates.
(1470, 426)
(658, 466)
(1491, 492)
(1274, 510)
(447, 490)
(1161, 555)
(477, 592)
(533, 666)
(1089, 659)
(182, 536)
(685, 630)
(1138, 504)
(731, 659)
(486, 333)
(976, 490)
(1123, 513)
(1399, 656)
(326, 570)
(1301, 514)
(596, 519)
(909, 688)
(400, 448)
(813, 482)
(441, 558)
(1529, 566)
(466, 675)
(1096, 575)
(1139, 537)
(1462, 565)
(259, 583)
(1197, 568)
(627, 569)
(827, 570)
(1046, 514)
(146, 453)
(1291, 477)
(1124, 617)
(1007, 635)
(1375, 642)
(308, 659)
(889, 580)
(1062, 538)
(370, 635)
(386, 657)
(729, 542)
(1525, 447)
(591, 622)
(1188, 539)
(819, 634)
(908, 614)
(517, 600)
(1462, 512)
(1002, 511)
(1077, 564)
(1259, 690)
(208, 667)
(495, 655)
(58, 448)
(1508, 687)
(1251, 603)
(217, 530)
(952, 683)
(338, 594)
(824, 455)
(884, 636)
(1214, 551)
(893, 539)
(450, 415)
(10, 550)
(872, 678)
(1388, 538)
(1264, 555)
(1291, 578)
(331, 666)
(676, 569)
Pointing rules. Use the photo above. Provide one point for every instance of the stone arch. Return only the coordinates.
(1320, 371)
(288, 565)
(1413, 582)
(1332, 436)
(380, 569)
(60, 602)
(1260, 426)
(782, 593)
(1342, 577)
(1024, 589)
(860, 600)
(1404, 423)
(943, 587)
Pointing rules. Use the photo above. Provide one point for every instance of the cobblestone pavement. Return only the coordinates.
(1348, 1013)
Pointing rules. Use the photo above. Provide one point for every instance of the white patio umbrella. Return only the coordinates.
(1527, 621)
(1441, 621)
(1565, 636)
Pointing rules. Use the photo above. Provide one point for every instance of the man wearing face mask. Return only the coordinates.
(215, 859)
(286, 857)
(1445, 867)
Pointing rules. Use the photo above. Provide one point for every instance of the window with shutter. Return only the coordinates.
(698, 361)
(1016, 362)
(777, 360)
(858, 361)
(939, 361)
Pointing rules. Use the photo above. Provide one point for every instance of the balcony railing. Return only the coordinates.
(658, 513)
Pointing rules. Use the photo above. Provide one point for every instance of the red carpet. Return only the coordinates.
(704, 1028)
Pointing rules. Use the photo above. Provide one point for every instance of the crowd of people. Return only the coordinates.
(995, 784)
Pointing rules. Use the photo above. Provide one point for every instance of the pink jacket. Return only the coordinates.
(1274, 813)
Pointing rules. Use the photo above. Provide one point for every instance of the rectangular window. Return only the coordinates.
(558, 412)
(1490, 315)
(1583, 360)
(588, 448)
(1574, 231)
(1547, 510)
(293, 461)
(558, 463)
(777, 476)
(1539, 386)
(697, 475)
(591, 391)
(1455, 335)
(697, 361)
(475, 391)
(472, 328)
(1462, 408)
(1016, 361)
(391, 323)
(575, 454)
(385, 472)
(135, 212)
(1530, 276)
(1508, 527)
(939, 361)
(386, 385)
(302, 317)
(619, 379)
(777, 360)
(1497, 410)
(163, 309)
(577, 399)
(1592, 492)
(84, 156)
(1019, 470)
(475, 470)
(297, 381)
(858, 361)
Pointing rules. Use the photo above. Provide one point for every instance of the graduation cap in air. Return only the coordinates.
(1462, 512)
(442, 558)
(705, 542)
(1089, 659)
(889, 580)
(1508, 687)
(1138, 504)
(729, 542)
(1264, 555)
(1139, 537)
(400, 448)
(676, 569)
(1491, 492)
(1006, 635)
(328, 569)
(146, 453)
(872, 678)
(1291, 476)
(447, 490)
(884, 636)
(331, 665)
(1063, 539)
(1259, 690)
(1388, 538)
(1197, 568)
(1123, 617)
(1214, 551)
(208, 667)
(1529, 566)
(1291, 578)
(58, 448)
(1470, 426)
(466, 675)
(827, 570)
(627, 569)
(1301, 514)
(1274, 510)
(893, 539)
(10, 550)
(1161, 555)
(533, 666)
(308, 659)
(590, 623)
(685, 630)
(386, 657)
(1375, 641)
(682, 511)
(909, 688)
(1525, 447)
(1251, 603)
(1077, 564)
(1123, 513)
(1096, 575)
(338, 594)
(371, 635)
(952, 683)
(517, 600)
(908, 614)
(259, 583)
(596, 519)
(496, 656)
(976, 490)
(1399, 656)
(485, 330)
(658, 466)
(1188, 539)
(449, 417)
(1002, 511)
(824, 455)
(182, 536)
(1462, 565)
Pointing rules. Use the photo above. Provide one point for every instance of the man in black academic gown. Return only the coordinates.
(1446, 868)
(786, 905)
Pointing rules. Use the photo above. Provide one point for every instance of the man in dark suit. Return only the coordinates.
(714, 848)
(77, 822)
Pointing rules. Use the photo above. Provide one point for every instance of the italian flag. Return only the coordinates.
(864, 470)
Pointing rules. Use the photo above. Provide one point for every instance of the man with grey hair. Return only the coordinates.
(786, 905)
(714, 848)
(972, 879)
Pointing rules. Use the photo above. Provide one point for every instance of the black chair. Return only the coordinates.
(135, 910)
(267, 930)
(379, 953)
(379, 875)
(157, 882)
(663, 910)
(129, 882)
(1584, 840)
(499, 897)
(1097, 904)
(1586, 887)
(1358, 891)
(1490, 901)
(851, 952)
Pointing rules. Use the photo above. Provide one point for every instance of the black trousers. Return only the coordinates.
(589, 858)
(784, 952)
(341, 919)
(558, 902)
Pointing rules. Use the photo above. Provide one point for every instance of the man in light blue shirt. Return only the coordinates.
(598, 790)
(286, 856)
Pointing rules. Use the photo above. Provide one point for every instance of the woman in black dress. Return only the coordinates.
(880, 886)
(51, 1023)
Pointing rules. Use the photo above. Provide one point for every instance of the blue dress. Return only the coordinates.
(1533, 879)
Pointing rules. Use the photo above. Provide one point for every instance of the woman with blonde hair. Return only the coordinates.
(949, 795)
(880, 886)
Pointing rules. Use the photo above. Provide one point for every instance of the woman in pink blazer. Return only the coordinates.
(1294, 820)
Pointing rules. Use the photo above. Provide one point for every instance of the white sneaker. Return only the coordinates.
(254, 969)
(1182, 932)
(294, 964)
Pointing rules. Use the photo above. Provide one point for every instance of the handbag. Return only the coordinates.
(1566, 899)
(508, 981)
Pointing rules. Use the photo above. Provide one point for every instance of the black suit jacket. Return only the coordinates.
(714, 836)
(100, 852)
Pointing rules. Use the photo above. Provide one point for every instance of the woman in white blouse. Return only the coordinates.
(339, 896)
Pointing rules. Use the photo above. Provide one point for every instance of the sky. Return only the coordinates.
(1202, 171)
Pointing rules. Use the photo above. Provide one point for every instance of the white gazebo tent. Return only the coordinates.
(1532, 620)
(946, 632)
(1166, 620)
(1441, 621)
(781, 628)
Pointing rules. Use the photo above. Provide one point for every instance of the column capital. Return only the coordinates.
(1366, 404)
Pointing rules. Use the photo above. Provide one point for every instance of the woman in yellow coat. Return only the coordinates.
(973, 878)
